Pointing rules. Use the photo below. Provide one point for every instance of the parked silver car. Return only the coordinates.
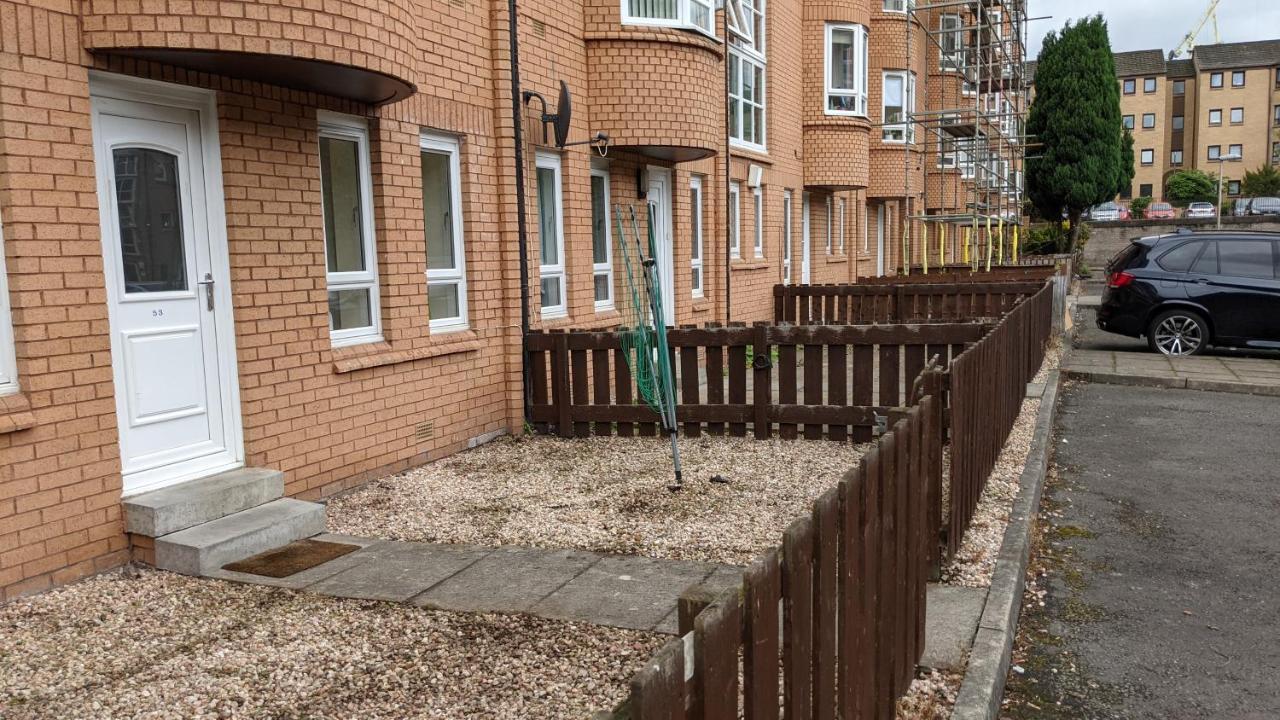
(1265, 206)
(1200, 210)
(1240, 207)
(1105, 212)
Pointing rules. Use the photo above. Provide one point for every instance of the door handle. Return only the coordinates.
(207, 282)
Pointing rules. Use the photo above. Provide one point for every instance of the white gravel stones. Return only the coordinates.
(168, 646)
(931, 697)
(604, 494)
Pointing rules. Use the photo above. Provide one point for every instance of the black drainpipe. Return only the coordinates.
(522, 222)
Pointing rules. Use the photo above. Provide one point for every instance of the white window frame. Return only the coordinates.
(859, 90)
(840, 216)
(906, 128)
(696, 224)
(735, 219)
(749, 54)
(552, 161)
(600, 169)
(786, 236)
(449, 146)
(8, 352)
(951, 25)
(830, 234)
(758, 214)
(351, 128)
(684, 19)
(898, 6)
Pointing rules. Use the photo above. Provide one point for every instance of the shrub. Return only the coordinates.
(1138, 207)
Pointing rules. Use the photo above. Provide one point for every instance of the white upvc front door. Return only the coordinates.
(804, 239)
(659, 197)
(167, 277)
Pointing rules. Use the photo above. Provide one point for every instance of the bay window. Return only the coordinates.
(442, 209)
(747, 118)
(346, 194)
(601, 238)
(846, 65)
(551, 272)
(898, 99)
(698, 15)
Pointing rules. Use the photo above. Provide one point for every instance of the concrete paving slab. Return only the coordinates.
(509, 579)
(621, 591)
(397, 571)
(298, 581)
(951, 621)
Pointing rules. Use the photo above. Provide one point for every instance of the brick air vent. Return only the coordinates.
(424, 431)
(539, 28)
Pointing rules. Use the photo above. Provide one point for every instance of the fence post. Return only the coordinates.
(761, 380)
(560, 383)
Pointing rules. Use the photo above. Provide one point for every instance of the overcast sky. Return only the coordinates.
(1150, 24)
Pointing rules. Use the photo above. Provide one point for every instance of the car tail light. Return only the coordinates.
(1119, 280)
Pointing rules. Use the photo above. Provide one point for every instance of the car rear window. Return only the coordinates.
(1246, 258)
(1124, 257)
(1179, 259)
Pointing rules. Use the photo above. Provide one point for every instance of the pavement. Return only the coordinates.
(1161, 557)
(1100, 356)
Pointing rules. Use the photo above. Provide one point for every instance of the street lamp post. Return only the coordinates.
(1223, 159)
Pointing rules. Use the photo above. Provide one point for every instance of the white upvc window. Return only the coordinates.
(830, 233)
(786, 237)
(758, 195)
(840, 225)
(898, 100)
(351, 261)
(735, 229)
(601, 237)
(551, 273)
(8, 355)
(996, 18)
(747, 90)
(951, 38)
(695, 242)
(846, 69)
(698, 15)
(899, 6)
(442, 211)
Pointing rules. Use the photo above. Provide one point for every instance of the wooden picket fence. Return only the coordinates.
(987, 387)
(850, 580)
(963, 274)
(908, 302)
(815, 382)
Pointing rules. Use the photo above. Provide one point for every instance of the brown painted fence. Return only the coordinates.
(850, 581)
(962, 274)
(798, 381)
(859, 304)
(987, 387)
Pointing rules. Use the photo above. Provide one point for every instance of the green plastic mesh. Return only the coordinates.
(643, 348)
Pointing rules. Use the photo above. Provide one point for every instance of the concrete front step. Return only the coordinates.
(207, 547)
(178, 507)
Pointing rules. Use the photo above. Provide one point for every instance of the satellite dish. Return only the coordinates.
(564, 114)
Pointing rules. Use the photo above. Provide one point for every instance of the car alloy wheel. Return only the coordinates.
(1179, 334)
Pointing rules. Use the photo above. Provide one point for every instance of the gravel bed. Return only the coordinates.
(975, 562)
(932, 696)
(604, 494)
(150, 644)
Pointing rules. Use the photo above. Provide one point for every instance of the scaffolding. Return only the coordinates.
(978, 136)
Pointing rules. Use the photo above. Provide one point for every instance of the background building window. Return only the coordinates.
(1175, 157)
(952, 41)
(1237, 116)
(1179, 122)
(1148, 85)
(1148, 121)
(735, 237)
(1215, 152)
(1277, 115)
(840, 225)
(346, 195)
(695, 242)
(1275, 153)
(1148, 157)
(551, 272)
(846, 70)
(442, 211)
(897, 100)
(1215, 117)
(1130, 86)
(1179, 87)
(1128, 121)
(1144, 190)
(1237, 78)
(900, 6)
(1236, 150)
(1215, 80)
(786, 237)
(692, 14)
(8, 362)
(601, 238)
(1233, 187)
(747, 118)
(830, 232)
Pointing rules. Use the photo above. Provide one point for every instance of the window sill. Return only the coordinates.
(701, 304)
(381, 354)
(751, 152)
(15, 413)
(840, 258)
(749, 265)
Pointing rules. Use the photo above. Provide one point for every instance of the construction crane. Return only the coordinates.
(1189, 42)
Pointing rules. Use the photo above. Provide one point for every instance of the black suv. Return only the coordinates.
(1187, 291)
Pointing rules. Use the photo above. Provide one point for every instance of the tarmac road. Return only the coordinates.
(1164, 600)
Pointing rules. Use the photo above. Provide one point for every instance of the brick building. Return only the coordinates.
(255, 233)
